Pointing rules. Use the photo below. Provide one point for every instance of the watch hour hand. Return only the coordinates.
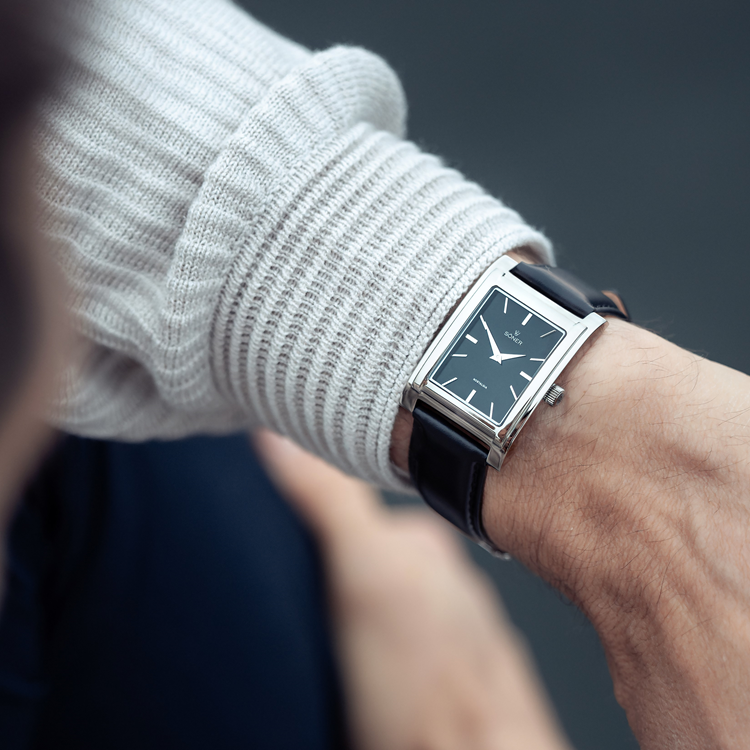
(512, 356)
(496, 355)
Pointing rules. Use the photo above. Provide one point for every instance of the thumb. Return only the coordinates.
(338, 508)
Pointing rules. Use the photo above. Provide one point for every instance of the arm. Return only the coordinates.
(632, 498)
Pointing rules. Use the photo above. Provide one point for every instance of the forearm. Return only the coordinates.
(632, 498)
(647, 530)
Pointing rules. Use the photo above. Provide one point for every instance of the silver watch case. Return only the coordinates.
(498, 438)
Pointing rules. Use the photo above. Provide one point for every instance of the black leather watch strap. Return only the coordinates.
(449, 469)
(567, 290)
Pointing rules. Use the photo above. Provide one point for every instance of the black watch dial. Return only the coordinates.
(491, 362)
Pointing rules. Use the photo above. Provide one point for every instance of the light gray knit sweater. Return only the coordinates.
(247, 237)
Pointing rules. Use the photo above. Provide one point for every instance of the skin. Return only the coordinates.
(633, 498)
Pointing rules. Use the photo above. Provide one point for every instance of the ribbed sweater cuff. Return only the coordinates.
(246, 237)
(341, 282)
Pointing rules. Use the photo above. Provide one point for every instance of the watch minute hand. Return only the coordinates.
(496, 355)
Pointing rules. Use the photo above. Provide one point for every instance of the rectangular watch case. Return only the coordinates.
(498, 438)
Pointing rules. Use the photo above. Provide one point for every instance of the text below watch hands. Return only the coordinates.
(496, 355)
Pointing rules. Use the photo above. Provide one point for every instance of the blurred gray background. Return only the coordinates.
(623, 130)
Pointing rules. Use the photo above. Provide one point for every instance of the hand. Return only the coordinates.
(633, 498)
(428, 659)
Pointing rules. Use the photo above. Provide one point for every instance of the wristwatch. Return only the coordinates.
(497, 357)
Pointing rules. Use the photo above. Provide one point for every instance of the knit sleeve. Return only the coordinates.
(246, 236)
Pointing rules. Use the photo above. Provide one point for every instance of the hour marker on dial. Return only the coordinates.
(492, 406)
(459, 355)
(470, 396)
(547, 334)
(471, 338)
(448, 382)
(505, 308)
(535, 359)
(526, 319)
(524, 375)
(513, 392)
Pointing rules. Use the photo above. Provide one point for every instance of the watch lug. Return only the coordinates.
(409, 398)
(495, 456)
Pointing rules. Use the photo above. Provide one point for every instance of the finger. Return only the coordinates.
(337, 507)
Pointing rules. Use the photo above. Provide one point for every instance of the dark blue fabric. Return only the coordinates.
(162, 595)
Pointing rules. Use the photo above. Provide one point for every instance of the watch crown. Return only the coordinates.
(554, 395)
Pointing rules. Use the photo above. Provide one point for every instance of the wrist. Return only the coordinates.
(630, 497)
(565, 493)
(579, 488)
